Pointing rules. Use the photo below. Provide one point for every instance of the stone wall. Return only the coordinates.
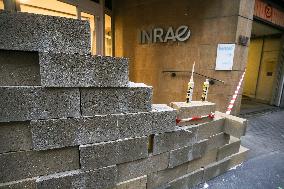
(210, 21)
(82, 124)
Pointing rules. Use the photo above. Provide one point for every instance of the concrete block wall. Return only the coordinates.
(79, 131)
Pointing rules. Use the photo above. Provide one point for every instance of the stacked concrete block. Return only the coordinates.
(74, 120)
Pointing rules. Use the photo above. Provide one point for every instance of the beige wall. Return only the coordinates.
(211, 22)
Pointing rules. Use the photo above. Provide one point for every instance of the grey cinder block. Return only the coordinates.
(95, 179)
(216, 169)
(136, 183)
(29, 183)
(15, 136)
(195, 108)
(161, 178)
(142, 167)
(165, 142)
(75, 70)
(57, 133)
(18, 68)
(187, 181)
(208, 129)
(218, 140)
(104, 154)
(28, 103)
(229, 149)
(34, 32)
(135, 98)
(234, 126)
(26, 164)
(180, 156)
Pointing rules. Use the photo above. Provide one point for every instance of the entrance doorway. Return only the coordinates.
(260, 83)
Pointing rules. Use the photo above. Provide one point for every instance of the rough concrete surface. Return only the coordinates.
(29, 32)
(75, 70)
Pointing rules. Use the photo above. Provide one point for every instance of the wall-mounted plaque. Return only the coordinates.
(225, 56)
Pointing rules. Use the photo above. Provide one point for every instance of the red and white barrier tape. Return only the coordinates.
(232, 102)
(212, 115)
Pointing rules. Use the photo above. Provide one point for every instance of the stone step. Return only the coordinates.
(35, 103)
(58, 133)
(74, 70)
(34, 32)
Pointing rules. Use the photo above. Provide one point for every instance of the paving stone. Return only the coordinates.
(75, 70)
(142, 167)
(136, 183)
(18, 68)
(239, 157)
(15, 136)
(28, 103)
(229, 149)
(16, 33)
(218, 140)
(187, 181)
(165, 142)
(57, 133)
(26, 183)
(195, 108)
(95, 179)
(208, 158)
(161, 178)
(135, 98)
(216, 169)
(234, 126)
(94, 156)
(208, 129)
(20, 165)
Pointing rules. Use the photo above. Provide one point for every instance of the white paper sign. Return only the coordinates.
(225, 56)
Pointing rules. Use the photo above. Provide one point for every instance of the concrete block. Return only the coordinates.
(187, 181)
(161, 178)
(75, 70)
(234, 126)
(57, 133)
(238, 158)
(199, 148)
(218, 140)
(208, 158)
(18, 68)
(49, 33)
(216, 169)
(96, 179)
(94, 156)
(21, 165)
(28, 103)
(127, 171)
(19, 184)
(229, 149)
(136, 183)
(135, 98)
(165, 142)
(15, 136)
(195, 108)
(206, 130)
(180, 156)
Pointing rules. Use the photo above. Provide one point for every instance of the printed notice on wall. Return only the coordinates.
(225, 56)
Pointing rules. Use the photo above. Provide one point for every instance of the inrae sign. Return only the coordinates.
(157, 35)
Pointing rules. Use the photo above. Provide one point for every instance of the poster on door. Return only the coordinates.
(225, 56)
